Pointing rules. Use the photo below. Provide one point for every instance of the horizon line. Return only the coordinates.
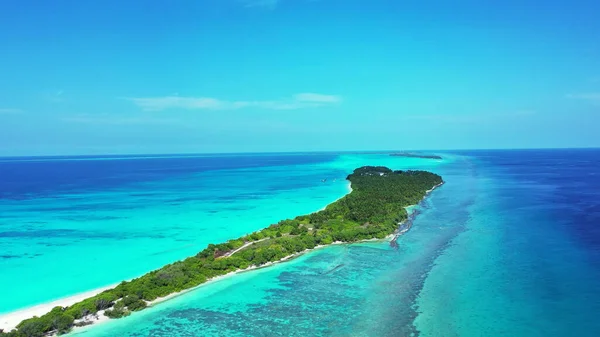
(191, 154)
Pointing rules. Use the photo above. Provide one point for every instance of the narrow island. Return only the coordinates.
(374, 209)
(416, 155)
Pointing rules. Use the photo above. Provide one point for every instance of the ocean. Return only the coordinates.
(509, 246)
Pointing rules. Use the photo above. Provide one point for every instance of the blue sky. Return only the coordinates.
(87, 77)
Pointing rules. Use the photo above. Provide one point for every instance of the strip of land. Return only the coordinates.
(10, 320)
(372, 210)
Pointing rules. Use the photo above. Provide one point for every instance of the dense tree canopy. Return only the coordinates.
(373, 209)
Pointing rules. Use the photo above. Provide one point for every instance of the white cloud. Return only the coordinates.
(167, 102)
(298, 101)
(10, 111)
(117, 120)
(317, 98)
(593, 97)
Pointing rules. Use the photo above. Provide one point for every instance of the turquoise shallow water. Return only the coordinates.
(509, 246)
(526, 263)
(105, 220)
(339, 290)
(502, 249)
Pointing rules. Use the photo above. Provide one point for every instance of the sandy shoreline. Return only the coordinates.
(349, 186)
(10, 320)
(93, 321)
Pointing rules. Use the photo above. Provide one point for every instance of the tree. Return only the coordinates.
(62, 323)
(372, 210)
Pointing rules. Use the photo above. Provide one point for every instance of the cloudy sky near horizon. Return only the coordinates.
(88, 77)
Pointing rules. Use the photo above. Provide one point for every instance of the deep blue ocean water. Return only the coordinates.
(509, 246)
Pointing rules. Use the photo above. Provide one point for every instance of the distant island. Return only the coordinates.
(374, 209)
(416, 155)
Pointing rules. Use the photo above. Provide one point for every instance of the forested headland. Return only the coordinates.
(373, 210)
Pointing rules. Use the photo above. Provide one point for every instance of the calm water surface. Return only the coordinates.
(126, 216)
(509, 246)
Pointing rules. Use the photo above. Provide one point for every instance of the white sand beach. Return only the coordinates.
(10, 320)
(349, 186)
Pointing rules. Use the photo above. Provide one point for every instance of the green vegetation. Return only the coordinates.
(372, 210)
